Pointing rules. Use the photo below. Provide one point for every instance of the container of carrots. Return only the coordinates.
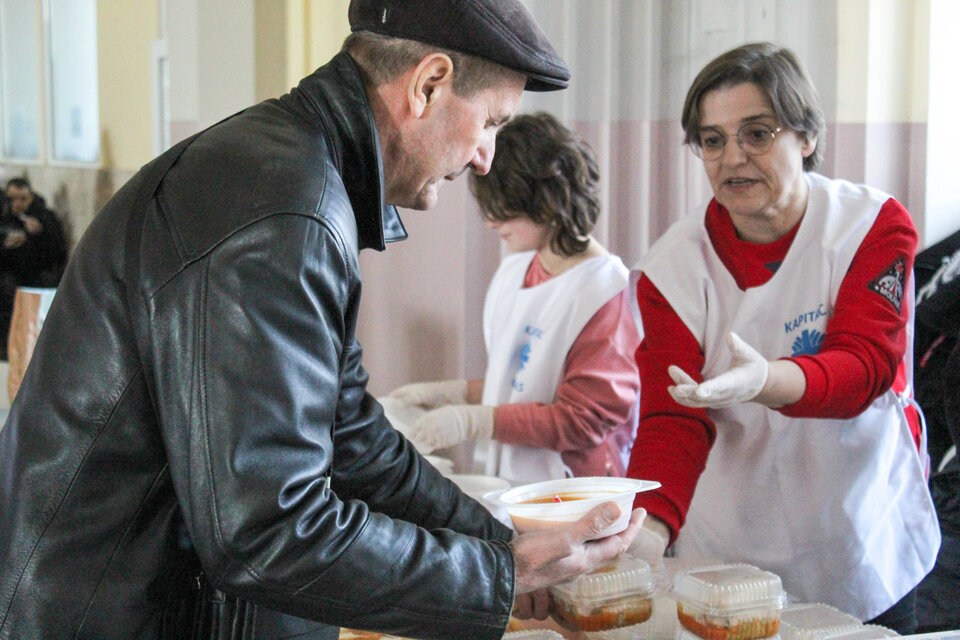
(729, 602)
(616, 594)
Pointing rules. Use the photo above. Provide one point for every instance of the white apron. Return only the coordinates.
(838, 508)
(528, 333)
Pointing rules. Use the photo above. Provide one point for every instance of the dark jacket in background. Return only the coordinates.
(937, 383)
(38, 262)
(937, 328)
(245, 394)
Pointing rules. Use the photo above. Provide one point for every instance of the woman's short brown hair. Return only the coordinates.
(383, 59)
(541, 170)
(779, 74)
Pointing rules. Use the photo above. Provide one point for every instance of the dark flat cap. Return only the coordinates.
(500, 30)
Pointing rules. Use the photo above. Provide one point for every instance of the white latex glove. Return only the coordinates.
(650, 544)
(740, 383)
(450, 425)
(432, 394)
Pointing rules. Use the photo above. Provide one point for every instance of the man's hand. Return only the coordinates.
(450, 425)
(740, 383)
(432, 394)
(544, 558)
(535, 604)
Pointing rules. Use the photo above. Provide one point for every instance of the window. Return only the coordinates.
(20, 84)
(49, 98)
(72, 80)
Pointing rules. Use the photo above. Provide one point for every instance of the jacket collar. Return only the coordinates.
(335, 94)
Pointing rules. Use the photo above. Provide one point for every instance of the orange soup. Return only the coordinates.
(564, 497)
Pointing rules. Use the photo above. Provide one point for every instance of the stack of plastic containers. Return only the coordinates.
(863, 632)
(533, 634)
(618, 594)
(814, 622)
(729, 602)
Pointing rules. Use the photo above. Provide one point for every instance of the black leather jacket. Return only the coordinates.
(244, 394)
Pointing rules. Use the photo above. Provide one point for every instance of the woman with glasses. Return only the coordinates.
(775, 358)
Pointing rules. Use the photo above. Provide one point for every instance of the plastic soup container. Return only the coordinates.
(617, 594)
(552, 503)
(729, 601)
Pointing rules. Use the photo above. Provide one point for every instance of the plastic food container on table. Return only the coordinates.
(864, 632)
(729, 601)
(684, 634)
(662, 624)
(813, 621)
(533, 634)
(616, 594)
(551, 503)
(477, 486)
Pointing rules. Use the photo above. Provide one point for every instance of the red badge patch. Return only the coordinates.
(890, 282)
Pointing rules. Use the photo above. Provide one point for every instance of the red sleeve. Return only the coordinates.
(866, 337)
(596, 395)
(672, 441)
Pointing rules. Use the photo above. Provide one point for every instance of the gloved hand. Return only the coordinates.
(650, 543)
(740, 383)
(432, 394)
(450, 425)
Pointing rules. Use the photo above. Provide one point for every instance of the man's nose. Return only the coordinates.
(483, 156)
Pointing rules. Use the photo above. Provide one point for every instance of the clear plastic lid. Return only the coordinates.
(814, 622)
(533, 634)
(686, 634)
(864, 632)
(623, 576)
(728, 587)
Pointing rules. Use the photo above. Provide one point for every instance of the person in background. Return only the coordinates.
(937, 271)
(937, 379)
(774, 358)
(196, 413)
(561, 385)
(33, 248)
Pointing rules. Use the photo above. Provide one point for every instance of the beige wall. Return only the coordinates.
(294, 37)
(126, 31)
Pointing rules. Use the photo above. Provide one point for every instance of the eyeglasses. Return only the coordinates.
(754, 138)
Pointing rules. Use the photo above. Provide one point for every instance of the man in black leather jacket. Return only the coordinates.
(196, 397)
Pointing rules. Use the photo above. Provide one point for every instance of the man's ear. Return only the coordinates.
(431, 80)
